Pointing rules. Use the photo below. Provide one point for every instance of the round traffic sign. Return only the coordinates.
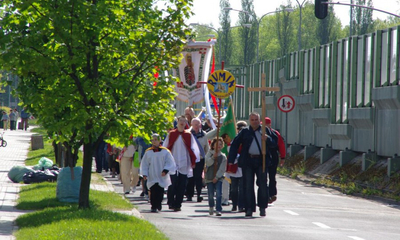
(286, 103)
(221, 84)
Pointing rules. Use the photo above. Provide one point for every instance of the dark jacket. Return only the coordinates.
(279, 149)
(245, 137)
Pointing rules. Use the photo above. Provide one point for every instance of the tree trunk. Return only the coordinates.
(86, 176)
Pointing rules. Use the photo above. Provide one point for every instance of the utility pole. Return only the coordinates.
(351, 18)
(299, 32)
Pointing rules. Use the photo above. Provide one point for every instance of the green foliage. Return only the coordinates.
(362, 18)
(248, 36)
(351, 188)
(86, 69)
(226, 34)
(284, 28)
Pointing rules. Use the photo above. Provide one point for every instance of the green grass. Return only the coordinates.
(36, 155)
(52, 219)
(47, 151)
(72, 223)
(56, 220)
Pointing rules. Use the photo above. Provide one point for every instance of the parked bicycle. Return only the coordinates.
(3, 143)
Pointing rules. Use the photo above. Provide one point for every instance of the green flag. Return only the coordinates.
(228, 127)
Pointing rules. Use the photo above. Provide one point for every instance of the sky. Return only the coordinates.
(207, 11)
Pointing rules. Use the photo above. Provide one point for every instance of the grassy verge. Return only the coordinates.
(56, 220)
(52, 219)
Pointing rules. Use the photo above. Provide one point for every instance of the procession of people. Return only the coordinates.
(189, 159)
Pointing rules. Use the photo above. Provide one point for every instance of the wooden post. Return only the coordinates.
(219, 119)
(263, 89)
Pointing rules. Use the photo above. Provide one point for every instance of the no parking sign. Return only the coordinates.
(286, 103)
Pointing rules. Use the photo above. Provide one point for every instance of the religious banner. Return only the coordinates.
(194, 68)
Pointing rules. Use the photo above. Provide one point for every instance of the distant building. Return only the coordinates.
(6, 98)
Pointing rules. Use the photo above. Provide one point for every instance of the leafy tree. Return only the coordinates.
(225, 38)
(362, 18)
(87, 67)
(203, 32)
(269, 47)
(248, 36)
(237, 48)
(387, 23)
(284, 29)
(329, 28)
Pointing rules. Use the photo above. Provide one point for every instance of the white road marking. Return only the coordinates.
(291, 212)
(321, 225)
(356, 238)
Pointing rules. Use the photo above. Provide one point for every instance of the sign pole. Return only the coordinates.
(286, 104)
(286, 129)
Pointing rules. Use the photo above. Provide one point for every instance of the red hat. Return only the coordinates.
(267, 120)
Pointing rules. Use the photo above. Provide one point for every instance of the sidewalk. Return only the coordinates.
(18, 144)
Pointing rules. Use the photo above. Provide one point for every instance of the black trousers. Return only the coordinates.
(236, 192)
(13, 125)
(176, 190)
(196, 180)
(253, 167)
(156, 196)
(272, 177)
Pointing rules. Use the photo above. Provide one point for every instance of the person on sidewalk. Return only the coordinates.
(4, 119)
(24, 119)
(185, 151)
(142, 146)
(251, 162)
(215, 169)
(277, 152)
(13, 120)
(129, 180)
(113, 153)
(155, 165)
(101, 156)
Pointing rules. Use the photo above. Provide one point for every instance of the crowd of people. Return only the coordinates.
(190, 159)
(9, 120)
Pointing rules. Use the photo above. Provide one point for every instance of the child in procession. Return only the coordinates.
(214, 179)
(156, 163)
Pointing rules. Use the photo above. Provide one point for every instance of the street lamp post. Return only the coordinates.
(259, 22)
(299, 32)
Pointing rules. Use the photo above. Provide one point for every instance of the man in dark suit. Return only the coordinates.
(251, 162)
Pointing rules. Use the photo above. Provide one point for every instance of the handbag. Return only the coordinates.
(232, 168)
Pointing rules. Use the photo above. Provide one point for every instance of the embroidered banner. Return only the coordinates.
(194, 68)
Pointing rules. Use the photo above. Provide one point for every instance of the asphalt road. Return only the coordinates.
(301, 212)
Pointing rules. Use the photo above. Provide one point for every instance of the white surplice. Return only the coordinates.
(152, 165)
(181, 155)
